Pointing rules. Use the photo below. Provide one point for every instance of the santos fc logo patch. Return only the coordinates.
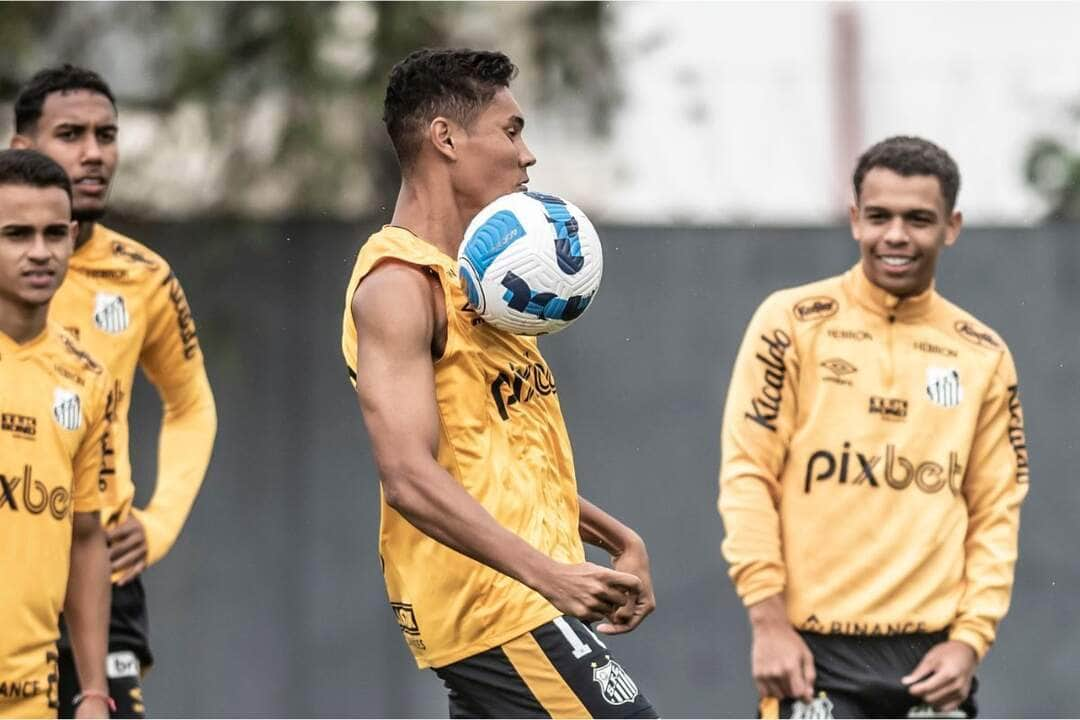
(943, 386)
(110, 313)
(67, 409)
(617, 687)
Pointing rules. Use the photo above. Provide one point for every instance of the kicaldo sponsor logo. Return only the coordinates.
(1016, 435)
(852, 467)
(185, 325)
(765, 406)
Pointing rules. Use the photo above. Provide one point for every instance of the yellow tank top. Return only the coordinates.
(503, 438)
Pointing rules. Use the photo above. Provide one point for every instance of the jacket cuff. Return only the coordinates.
(158, 537)
(970, 637)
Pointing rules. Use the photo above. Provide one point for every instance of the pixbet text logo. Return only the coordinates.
(857, 468)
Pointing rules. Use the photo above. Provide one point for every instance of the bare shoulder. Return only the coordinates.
(395, 298)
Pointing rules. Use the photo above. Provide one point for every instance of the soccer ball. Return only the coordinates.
(530, 263)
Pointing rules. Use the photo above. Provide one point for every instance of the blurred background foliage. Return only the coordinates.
(288, 96)
(1053, 169)
(269, 110)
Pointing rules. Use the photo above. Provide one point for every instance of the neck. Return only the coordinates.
(21, 322)
(430, 211)
(86, 229)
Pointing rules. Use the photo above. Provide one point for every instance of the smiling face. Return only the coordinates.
(36, 241)
(492, 157)
(901, 224)
(77, 129)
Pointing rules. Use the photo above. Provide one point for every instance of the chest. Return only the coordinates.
(43, 419)
(507, 372)
(870, 370)
(107, 314)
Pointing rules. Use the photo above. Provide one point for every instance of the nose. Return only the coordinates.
(527, 159)
(39, 251)
(895, 233)
(91, 149)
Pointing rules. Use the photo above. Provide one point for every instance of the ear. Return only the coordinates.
(441, 134)
(21, 142)
(952, 228)
(853, 218)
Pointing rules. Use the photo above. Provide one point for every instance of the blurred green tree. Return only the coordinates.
(292, 92)
(1053, 169)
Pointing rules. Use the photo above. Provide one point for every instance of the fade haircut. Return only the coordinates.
(62, 79)
(907, 156)
(456, 84)
(29, 167)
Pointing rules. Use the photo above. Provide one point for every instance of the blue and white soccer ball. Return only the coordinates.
(530, 263)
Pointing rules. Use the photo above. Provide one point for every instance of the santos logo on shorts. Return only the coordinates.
(617, 687)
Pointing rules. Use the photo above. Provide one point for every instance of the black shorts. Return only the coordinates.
(560, 669)
(859, 677)
(129, 654)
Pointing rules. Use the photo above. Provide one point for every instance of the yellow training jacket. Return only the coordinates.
(874, 463)
(124, 304)
(503, 438)
(56, 454)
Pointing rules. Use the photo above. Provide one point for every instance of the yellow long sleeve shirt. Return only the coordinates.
(56, 411)
(125, 305)
(873, 463)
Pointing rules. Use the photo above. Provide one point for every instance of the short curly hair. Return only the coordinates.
(455, 83)
(62, 79)
(907, 156)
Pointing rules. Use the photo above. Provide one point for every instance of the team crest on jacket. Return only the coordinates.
(943, 386)
(616, 686)
(110, 313)
(67, 409)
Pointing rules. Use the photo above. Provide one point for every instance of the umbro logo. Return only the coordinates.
(838, 369)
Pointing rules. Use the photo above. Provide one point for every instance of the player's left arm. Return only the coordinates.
(173, 362)
(87, 599)
(994, 487)
(86, 605)
(628, 554)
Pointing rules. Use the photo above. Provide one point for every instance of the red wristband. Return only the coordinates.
(94, 693)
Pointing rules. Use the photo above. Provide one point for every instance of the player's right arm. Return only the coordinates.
(396, 318)
(759, 418)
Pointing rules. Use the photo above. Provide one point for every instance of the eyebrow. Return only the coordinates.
(23, 227)
(73, 125)
(907, 212)
(518, 121)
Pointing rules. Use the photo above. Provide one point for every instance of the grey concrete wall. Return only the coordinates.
(272, 603)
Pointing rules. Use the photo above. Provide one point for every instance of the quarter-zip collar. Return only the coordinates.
(882, 302)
